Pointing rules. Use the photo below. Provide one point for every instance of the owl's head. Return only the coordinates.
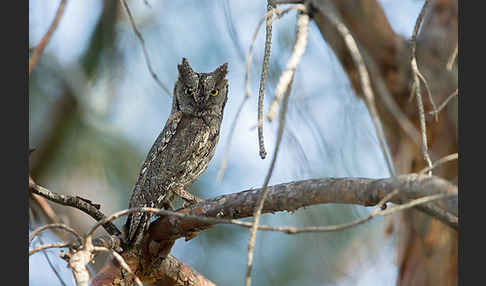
(201, 94)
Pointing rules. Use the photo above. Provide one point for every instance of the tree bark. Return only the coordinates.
(428, 249)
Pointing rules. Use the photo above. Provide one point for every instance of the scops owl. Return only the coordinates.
(185, 146)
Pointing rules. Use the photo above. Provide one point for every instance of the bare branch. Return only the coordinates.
(429, 93)
(263, 78)
(258, 209)
(297, 53)
(379, 47)
(416, 77)
(364, 80)
(50, 245)
(45, 39)
(423, 126)
(452, 59)
(413, 203)
(45, 208)
(51, 265)
(54, 225)
(144, 49)
(76, 202)
(446, 101)
(441, 161)
(267, 15)
(295, 195)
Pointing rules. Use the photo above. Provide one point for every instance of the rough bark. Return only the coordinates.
(428, 248)
(148, 262)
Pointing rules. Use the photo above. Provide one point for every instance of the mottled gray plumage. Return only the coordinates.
(185, 146)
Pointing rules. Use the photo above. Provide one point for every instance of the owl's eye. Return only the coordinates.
(214, 92)
(188, 91)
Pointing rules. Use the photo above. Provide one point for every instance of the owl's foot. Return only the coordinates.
(188, 198)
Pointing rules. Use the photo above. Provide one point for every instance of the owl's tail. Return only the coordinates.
(134, 226)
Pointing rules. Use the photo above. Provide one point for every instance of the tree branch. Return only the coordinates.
(45, 39)
(295, 195)
(169, 271)
(82, 204)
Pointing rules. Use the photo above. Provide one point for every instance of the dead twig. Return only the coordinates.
(54, 225)
(50, 245)
(45, 208)
(416, 77)
(439, 162)
(446, 101)
(299, 48)
(297, 53)
(76, 202)
(45, 39)
(144, 49)
(364, 80)
(263, 78)
(452, 59)
(259, 207)
(267, 15)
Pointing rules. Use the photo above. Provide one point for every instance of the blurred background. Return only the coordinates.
(95, 110)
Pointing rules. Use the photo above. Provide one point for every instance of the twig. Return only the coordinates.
(448, 218)
(46, 256)
(364, 80)
(429, 93)
(441, 161)
(50, 245)
(391, 104)
(45, 208)
(228, 17)
(261, 91)
(297, 53)
(222, 169)
(120, 260)
(423, 127)
(119, 214)
(413, 203)
(452, 59)
(416, 77)
(259, 207)
(54, 225)
(51, 264)
(144, 49)
(75, 202)
(446, 101)
(43, 42)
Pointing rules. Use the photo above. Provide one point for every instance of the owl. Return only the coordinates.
(182, 151)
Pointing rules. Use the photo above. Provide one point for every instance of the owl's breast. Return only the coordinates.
(188, 154)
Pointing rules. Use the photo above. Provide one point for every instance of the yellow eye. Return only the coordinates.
(188, 91)
(214, 92)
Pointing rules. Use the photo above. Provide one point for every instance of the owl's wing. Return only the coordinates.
(141, 197)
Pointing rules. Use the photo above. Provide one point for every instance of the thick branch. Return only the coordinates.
(169, 271)
(294, 195)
